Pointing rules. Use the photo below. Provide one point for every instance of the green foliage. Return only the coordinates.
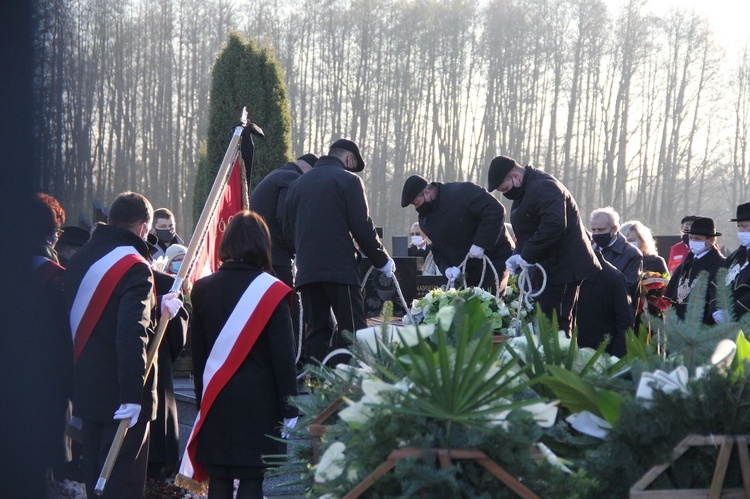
(646, 435)
(691, 338)
(463, 385)
(245, 75)
(456, 382)
(551, 348)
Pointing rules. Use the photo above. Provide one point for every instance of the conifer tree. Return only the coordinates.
(244, 75)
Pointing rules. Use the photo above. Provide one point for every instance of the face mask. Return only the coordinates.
(176, 266)
(602, 240)
(634, 244)
(686, 239)
(165, 235)
(419, 240)
(514, 192)
(744, 238)
(697, 247)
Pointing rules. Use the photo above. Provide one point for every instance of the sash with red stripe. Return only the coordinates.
(96, 289)
(236, 339)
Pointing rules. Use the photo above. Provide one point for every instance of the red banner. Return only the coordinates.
(207, 260)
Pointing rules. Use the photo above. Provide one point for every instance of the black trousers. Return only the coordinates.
(562, 300)
(128, 477)
(318, 299)
(284, 274)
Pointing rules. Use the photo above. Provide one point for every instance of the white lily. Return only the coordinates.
(331, 463)
(589, 424)
(545, 413)
(552, 458)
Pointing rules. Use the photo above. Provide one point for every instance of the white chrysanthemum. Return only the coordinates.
(331, 463)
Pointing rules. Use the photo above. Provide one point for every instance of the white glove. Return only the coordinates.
(476, 251)
(171, 304)
(452, 273)
(515, 262)
(720, 316)
(126, 411)
(389, 268)
(289, 424)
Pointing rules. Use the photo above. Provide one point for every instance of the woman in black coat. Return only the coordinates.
(237, 429)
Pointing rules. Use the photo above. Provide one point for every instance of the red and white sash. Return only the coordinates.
(96, 289)
(233, 344)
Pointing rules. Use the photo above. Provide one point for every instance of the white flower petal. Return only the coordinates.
(331, 463)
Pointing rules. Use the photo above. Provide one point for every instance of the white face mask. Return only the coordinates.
(419, 240)
(634, 243)
(697, 247)
(744, 238)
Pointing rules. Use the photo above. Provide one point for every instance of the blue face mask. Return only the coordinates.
(176, 267)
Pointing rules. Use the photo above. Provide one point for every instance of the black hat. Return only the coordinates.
(743, 213)
(74, 236)
(309, 158)
(351, 147)
(412, 187)
(703, 226)
(499, 169)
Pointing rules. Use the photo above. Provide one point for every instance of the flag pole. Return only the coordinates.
(186, 269)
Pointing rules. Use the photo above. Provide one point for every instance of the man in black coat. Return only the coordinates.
(604, 308)
(605, 230)
(164, 232)
(738, 273)
(268, 199)
(461, 218)
(549, 231)
(703, 257)
(325, 208)
(111, 332)
(164, 442)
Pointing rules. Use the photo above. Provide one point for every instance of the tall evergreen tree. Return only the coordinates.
(244, 75)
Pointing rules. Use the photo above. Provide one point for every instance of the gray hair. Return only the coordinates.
(612, 216)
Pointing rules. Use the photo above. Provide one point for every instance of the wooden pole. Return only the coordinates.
(199, 236)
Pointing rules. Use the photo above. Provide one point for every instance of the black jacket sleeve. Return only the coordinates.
(135, 290)
(361, 225)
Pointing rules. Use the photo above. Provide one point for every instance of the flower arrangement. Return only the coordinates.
(566, 421)
(505, 315)
(652, 287)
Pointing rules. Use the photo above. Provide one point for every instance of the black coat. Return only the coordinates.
(739, 275)
(686, 273)
(253, 403)
(604, 308)
(325, 208)
(654, 263)
(463, 214)
(164, 444)
(111, 367)
(49, 333)
(549, 231)
(268, 200)
(627, 259)
(415, 251)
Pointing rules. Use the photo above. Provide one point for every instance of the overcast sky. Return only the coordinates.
(729, 18)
